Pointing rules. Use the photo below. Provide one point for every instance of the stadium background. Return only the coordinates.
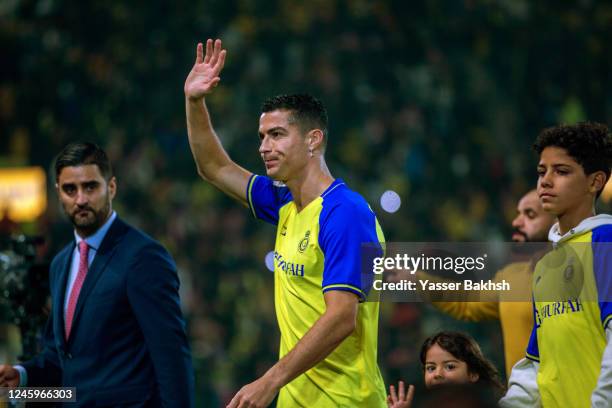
(437, 100)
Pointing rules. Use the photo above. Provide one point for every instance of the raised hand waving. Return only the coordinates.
(204, 75)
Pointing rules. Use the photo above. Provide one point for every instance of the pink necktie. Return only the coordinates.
(78, 283)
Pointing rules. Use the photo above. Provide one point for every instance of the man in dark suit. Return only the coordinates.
(116, 331)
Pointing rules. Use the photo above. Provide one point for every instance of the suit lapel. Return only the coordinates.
(103, 256)
(59, 297)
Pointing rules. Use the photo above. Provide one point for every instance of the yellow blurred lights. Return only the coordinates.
(23, 193)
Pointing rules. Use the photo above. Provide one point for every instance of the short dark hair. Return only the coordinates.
(589, 143)
(306, 110)
(83, 153)
(466, 349)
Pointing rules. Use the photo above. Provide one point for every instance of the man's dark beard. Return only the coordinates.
(536, 238)
(517, 231)
(525, 248)
(99, 219)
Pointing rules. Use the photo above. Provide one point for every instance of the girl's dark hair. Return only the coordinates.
(464, 348)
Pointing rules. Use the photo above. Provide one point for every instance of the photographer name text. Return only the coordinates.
(428, 285)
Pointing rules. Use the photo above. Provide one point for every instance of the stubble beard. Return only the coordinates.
(89, 225)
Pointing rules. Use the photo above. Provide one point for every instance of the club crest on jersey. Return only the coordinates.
(304, 242)
(568, 274)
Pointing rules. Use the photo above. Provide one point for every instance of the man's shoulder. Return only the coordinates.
(137, 239)
(137, 248)
(518, 274)
(602, 233)
(259, 184)
(515, 268)
(339, 199)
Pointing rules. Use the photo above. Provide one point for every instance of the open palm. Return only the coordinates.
(204, 75)
(401, 399)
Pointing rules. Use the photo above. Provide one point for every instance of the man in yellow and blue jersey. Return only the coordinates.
(569, 356)
(328, 350)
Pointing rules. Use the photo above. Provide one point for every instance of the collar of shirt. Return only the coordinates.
(94, 241)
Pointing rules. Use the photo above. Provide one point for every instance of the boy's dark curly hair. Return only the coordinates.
(589, 143)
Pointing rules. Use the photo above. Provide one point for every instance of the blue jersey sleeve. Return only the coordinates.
(346, 230)
(265, 198)
(533, 352)
(602, 269)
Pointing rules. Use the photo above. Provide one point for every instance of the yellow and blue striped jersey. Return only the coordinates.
(318, 249)
(572, 288)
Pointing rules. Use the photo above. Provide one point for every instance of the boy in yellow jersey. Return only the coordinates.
(328, 350)
(531, 224)
(569, 356)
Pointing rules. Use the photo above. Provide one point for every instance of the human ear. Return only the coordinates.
(315, 139)
(112, 187)
(597, 181)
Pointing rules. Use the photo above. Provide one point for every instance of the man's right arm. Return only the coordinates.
(212, 161)
(523, 388)
(470, 306)
(42, 370)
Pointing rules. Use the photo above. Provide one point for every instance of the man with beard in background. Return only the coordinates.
(531, 223)
(116, 332)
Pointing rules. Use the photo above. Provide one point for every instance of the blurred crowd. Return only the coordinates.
(439, 101)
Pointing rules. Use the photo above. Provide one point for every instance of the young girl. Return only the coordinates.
(450, 358)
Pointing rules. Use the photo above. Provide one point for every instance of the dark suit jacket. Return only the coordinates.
(127, 346)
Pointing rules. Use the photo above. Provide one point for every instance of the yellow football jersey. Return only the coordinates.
(572, 288)
(318, 249)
